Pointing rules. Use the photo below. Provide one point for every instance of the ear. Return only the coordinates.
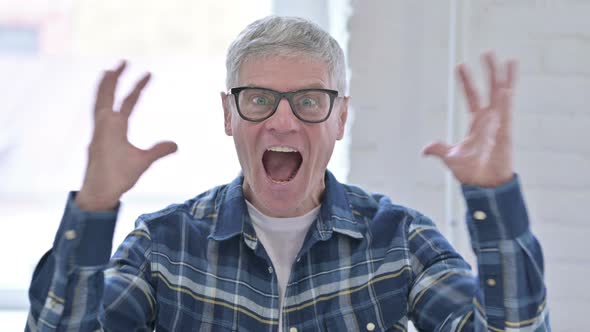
(342, 117)
(225, 101)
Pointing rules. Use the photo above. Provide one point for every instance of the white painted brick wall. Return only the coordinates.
(398, 58)
(389, 75)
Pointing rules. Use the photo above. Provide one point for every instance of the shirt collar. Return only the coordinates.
(335, 214)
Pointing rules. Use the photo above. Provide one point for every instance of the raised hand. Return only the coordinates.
(114, 164)
(484, 157)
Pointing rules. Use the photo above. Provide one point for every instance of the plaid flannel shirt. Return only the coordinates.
(366, 265)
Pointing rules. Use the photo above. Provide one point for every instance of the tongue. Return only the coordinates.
(281, 166)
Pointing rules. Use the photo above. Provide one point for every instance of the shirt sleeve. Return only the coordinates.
(509, 292)
(75, 287)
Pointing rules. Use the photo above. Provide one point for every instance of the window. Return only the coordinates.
(51, 57)
(19, 39)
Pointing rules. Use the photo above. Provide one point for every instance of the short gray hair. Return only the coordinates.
(286, 36)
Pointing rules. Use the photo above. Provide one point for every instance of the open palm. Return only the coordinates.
(114, 164)
(484, 157)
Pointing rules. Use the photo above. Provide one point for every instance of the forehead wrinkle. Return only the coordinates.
(269, 82)
(269, 74)
(310, 86)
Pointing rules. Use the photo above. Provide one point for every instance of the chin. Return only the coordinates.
(282, 198)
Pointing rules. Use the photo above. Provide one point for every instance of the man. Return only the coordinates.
(285, 246)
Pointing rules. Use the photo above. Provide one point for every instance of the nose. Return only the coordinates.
(283, 120)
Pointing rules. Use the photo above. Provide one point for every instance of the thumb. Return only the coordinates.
(160, 150)
(438, 149)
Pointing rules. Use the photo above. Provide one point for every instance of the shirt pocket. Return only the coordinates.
(194, 326)
(387, 314)
(174, 317)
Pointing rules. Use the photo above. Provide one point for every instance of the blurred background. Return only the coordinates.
(401, 59)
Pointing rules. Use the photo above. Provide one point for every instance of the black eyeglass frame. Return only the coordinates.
(279, 96)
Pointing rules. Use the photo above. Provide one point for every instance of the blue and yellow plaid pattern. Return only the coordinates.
(366, 264)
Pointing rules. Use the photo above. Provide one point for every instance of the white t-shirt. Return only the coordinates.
(282, 238)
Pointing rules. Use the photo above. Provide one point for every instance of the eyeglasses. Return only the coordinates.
(308, 105)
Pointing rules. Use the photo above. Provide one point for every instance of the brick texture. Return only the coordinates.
(398, 54)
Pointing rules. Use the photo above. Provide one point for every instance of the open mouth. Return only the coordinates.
(281, 163)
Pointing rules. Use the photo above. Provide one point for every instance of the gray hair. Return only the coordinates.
(286, 36)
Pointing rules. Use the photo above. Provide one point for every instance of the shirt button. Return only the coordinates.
(491, 282)
(71, 234)
(293, 329)
(479, 215)
(270, 270)
(370, 327)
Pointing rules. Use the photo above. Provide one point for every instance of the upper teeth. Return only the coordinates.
(281, 149)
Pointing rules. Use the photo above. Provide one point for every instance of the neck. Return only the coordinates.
(299, 206)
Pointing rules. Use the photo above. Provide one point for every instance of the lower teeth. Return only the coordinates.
(280, 181)
(287, 180)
